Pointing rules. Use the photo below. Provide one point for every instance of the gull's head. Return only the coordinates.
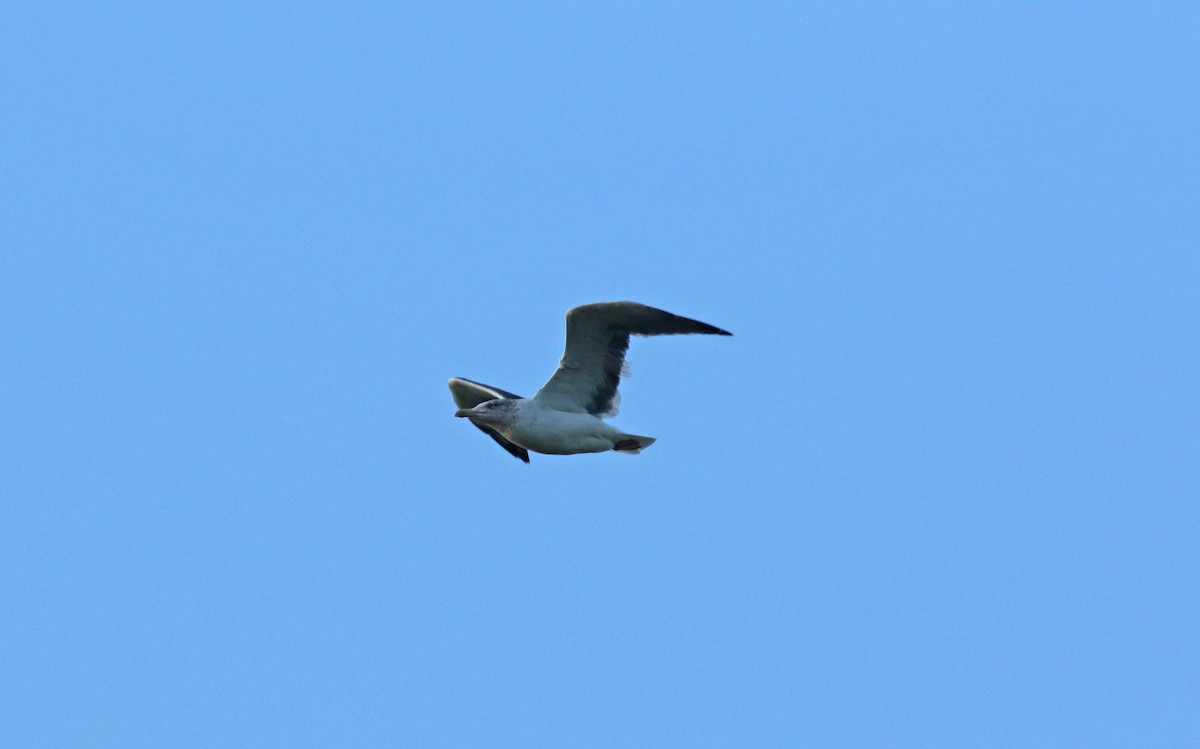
(499, 411)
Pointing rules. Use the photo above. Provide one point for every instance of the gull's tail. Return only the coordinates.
(632, 444)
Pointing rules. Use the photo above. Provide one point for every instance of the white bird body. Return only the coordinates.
(545, 430)
(566, 416)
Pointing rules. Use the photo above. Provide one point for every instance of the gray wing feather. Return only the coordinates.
(468, 394)
(597, 339)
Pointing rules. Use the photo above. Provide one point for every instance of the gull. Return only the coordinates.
(567, 415)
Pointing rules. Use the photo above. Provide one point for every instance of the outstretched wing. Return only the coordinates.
(597, 338)
(468, 394)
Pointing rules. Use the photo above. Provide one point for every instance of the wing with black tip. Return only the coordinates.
(468, 394)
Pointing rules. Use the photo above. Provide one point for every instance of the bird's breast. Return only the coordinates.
(561, 432)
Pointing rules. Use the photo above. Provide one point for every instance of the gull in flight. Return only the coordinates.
(566, 416)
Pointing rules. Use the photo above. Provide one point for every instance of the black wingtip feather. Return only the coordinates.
(706, 329)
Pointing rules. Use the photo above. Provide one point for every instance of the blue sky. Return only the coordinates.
(940, 488)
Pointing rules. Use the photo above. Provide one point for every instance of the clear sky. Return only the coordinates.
(940, 488)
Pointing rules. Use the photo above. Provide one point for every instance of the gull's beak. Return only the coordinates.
(462, 412)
